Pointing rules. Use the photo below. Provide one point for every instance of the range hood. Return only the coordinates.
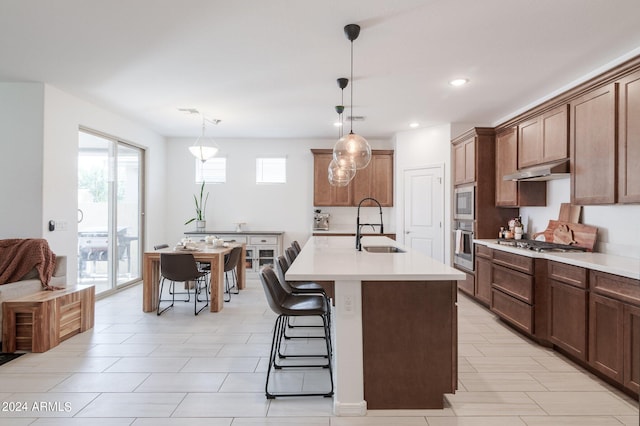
(550, 171)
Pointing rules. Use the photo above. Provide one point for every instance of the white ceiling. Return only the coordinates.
(268, 68)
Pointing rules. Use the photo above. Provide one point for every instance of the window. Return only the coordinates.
(214, 170)
(271, 170)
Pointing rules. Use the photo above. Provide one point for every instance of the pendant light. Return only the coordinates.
(353, 145)
(340, 172)
(204, 148)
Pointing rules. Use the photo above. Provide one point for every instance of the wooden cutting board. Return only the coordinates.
(569, 213)
(570, 233)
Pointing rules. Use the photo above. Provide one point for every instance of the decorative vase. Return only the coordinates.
(201, 224)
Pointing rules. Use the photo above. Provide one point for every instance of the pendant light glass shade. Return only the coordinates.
(204, 148)
(341, 172)
(353, 147)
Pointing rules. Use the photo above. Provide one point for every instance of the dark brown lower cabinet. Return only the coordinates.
(631, 330)
(483, 280)
(605, 336)
(467, 285)
(568, 325)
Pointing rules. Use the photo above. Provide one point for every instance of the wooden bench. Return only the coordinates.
(40, 321)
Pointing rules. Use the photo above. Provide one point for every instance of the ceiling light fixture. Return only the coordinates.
(352, 145)
(341, 171)
(204, 148)
(459, 82)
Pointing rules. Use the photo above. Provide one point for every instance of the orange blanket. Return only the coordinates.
(19, 256)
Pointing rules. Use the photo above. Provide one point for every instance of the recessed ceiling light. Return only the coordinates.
(414, 125)
(459, 82)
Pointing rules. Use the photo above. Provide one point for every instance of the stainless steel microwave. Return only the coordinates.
(464, 203)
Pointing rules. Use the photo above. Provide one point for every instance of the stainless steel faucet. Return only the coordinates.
(360, 225)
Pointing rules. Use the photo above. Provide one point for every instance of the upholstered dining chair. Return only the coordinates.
(291, 254)
(182, 267)
(296, 245)
(290, 305)
(231, 261)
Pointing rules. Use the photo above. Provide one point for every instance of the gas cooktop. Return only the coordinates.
(540, 246)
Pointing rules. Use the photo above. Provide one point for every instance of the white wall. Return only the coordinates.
(419, 148)
(281, 207)
(21, 126)
(618, 225)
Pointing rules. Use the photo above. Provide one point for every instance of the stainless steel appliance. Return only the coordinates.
(320, 221)
(463, 253)
(464, 203)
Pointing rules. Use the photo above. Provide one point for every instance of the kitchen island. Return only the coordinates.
(395, 323)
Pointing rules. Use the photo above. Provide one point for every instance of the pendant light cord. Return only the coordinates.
(351, 130)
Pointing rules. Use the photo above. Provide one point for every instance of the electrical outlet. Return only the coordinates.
(348, 304)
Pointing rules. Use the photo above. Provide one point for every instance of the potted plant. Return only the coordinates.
(201, 206)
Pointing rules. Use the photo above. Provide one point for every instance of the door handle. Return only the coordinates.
(407, 232)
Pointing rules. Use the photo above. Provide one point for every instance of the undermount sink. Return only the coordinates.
(383, 249)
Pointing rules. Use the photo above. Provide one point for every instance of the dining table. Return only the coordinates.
(202, 252)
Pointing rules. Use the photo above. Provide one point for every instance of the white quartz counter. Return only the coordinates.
(335, 258)
(618, 265)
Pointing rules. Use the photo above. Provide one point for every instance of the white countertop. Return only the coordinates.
(335, 258)
(617, 265)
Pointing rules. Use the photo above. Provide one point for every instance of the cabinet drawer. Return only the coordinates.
(233, 237)
(483, 251)
(569, 274)
(512, 282)
(513, 261)
(615, 286)
(261, 239)
(516, 312)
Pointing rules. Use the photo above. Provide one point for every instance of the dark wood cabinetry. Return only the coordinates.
(375, 181)
(614, 328)
(629, 139)
(464, 160)
(325, 194)
(512, 289)
(544, 138)
(568, 299)
(593, 147)
(510, 193)
(484, 275)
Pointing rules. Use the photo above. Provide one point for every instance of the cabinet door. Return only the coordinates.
(459, 164)
(325, 194)
(470, 161)
(530, 143)
(484, 278)
(569, 318)
(593, 147)
(605, 336)
(506, 163)
(632, 348)
(555, 134)
(375, 181)
(629, 139)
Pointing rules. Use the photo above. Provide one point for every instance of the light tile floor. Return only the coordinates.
(139, 369)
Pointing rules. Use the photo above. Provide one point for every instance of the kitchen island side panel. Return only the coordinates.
(409, 343)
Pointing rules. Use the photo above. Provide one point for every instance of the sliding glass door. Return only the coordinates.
(109, 211)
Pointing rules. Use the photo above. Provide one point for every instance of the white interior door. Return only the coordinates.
(424, 211)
